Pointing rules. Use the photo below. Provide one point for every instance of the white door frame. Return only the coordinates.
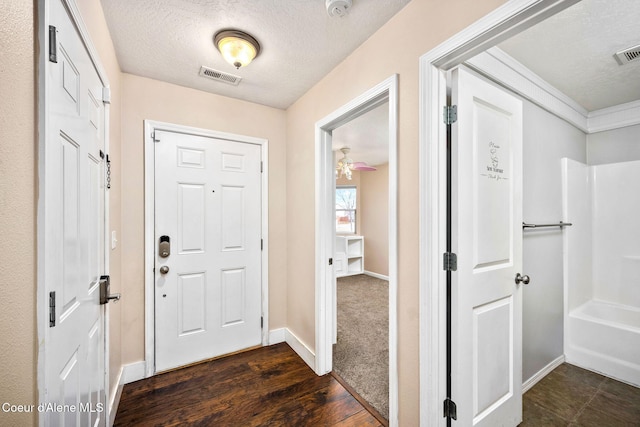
(150, 126)
(45, 262)
(385, 91)
(504, 22)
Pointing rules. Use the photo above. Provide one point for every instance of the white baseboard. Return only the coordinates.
(542, 373)
(301, 348)
(115, 399)
(376, 275)
(276, 336)
(133, 372)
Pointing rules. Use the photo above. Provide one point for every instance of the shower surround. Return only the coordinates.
(602, 268)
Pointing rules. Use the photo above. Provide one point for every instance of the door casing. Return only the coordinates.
(45, 261)
(386, 91)
(150, 126)
(505, 21)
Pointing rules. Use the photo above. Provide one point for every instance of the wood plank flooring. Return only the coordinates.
(269, 386)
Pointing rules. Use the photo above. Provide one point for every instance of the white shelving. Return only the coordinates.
(349, 255)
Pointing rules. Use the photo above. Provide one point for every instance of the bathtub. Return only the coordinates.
(605, 338)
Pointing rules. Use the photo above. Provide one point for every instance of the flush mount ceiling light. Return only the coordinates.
(237, 47)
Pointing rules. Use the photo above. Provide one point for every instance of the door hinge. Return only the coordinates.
(261, 166)
(52, 309)
(261, 244)
(449, 261)
(53, 45)
(330, 261)
(450, 409)
(450, 114)
(261, 322)
(153, 137)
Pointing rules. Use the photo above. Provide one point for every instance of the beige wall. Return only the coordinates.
(154, 100)
(18, 199)
(91, 11)
(374, 203)
(395, 48)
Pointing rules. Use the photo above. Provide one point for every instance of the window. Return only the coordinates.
(346, 209)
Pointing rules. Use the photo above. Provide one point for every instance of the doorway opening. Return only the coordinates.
(361, 348)
(497, 27)
(329, 258)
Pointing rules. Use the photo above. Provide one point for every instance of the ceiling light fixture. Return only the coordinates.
(345, 166)
(237, 47)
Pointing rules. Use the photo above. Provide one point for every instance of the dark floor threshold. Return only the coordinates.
(382, 420)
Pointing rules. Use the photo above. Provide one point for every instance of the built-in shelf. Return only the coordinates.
(349, 255)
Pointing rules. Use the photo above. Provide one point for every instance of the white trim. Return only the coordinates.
(150, 126)
(134, 372)
(499, 66)
(115, 399)
(44, 262)
(535, 378)
(614, 117)
(385, 91)
(376, 275)
(504, 69)
(276, 336)
(505, 21)
(300, 348)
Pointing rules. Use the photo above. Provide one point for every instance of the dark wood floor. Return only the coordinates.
(571, 396)
(268, 386)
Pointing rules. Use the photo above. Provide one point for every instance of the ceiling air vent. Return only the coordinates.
(625, 56)
(219, 76)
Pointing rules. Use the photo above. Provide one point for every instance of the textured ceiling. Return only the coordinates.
(573, 51)
(169, 40)
(367, 136)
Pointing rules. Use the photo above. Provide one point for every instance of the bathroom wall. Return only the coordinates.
(618, 145)
(547, 139)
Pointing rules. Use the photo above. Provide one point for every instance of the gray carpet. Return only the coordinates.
(361, 355)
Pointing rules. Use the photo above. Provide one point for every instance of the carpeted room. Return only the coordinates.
(361, 351)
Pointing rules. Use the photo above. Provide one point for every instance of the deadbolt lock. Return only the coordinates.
(164, 246)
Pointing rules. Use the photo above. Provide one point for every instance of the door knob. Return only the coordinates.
(524, 279)
(165, 269)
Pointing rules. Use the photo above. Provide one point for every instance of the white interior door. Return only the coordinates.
(487, 237)
(74, 231)
(208, 290)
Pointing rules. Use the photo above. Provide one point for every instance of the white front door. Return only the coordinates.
(487, 237)
(208, 289)
(74, 255)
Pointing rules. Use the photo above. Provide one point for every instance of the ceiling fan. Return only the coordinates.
(345, 165)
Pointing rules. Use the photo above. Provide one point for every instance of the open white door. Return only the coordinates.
(74, 229)
(487, 238)
(208, 214)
